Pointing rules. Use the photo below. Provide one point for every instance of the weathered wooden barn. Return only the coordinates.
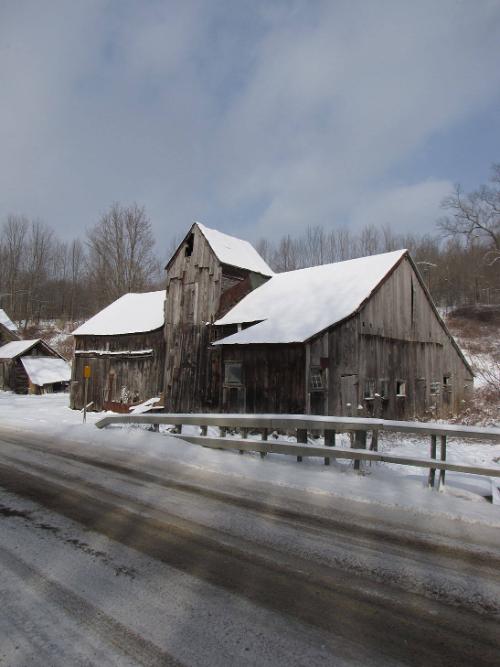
(8, 330)
(124, 346)
(32, 366)
(360, 337)
(208, 274)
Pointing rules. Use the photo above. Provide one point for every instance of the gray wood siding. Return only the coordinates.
(273, 379)
(127, 378)
(196, 283)
(396, 337)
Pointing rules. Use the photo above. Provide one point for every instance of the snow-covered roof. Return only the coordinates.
(6, 321)
(46, 370)
(16, 347)
(131, 313)
(235, 252)
(293, 306)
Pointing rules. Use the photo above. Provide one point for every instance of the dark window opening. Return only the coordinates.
(233, 373)
(447, 382)
(400, 388)
(189, 245)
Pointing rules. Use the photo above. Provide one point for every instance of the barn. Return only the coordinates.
(8, 330)
(360, 337)
(124, 347)
(32, 366)
(207, 274)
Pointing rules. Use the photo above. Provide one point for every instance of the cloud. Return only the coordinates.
(407, 208)
(258, 119)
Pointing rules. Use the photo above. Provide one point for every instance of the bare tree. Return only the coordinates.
(14, 232)
(476, 216)
(121, 257)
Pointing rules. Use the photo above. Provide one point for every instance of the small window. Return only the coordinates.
(369, 392)
(446, 382)
(435, 387)
(400, 388)
(316, 378)
(233, 373)
(189, 245)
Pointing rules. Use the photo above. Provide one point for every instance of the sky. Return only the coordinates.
(256, 118)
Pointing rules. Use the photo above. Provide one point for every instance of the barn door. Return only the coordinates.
(349, 394)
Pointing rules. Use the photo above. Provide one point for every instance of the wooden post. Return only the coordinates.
(359, 443)
(329, 435)
(204, 430)
(432, 471)
(443, 458)
(302, 439)
(264, 438)
(222, 431)
(374, 441)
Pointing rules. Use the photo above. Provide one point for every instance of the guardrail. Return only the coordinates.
(330, 426)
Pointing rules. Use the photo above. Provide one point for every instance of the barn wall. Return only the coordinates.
(396, 338)
(120, 378)
(272, 379)
(196, 283)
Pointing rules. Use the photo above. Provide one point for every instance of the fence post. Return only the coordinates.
(329, 435)
(359, 443)
(302, 439)
(432, 471)
(244, 435)
(204, 430)
(264, 438)
(222, 431)
(374, 441)
(443, 458)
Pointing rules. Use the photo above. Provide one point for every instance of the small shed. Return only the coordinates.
(32, 366)
(8, 330)
(124, 347)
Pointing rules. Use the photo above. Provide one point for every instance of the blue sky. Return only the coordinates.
(257, 118)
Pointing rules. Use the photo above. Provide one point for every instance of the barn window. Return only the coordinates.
(316, 378)
(400, 388)
(369, 392)
(435, 387)
(446, 382)
(189, 245)
(233, 373)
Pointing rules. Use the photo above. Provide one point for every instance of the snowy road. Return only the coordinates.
(110, 558)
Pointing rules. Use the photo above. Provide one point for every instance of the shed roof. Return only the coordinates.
(17, 347)
(131, 313)
(46, 370)
(6, 321)
(293, 306)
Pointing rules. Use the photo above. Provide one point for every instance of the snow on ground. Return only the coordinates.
(386, 485)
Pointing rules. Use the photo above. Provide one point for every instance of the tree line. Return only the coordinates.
(42, 277)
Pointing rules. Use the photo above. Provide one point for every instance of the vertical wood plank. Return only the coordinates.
(359, 443)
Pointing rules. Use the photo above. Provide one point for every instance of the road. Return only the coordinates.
(113, 559)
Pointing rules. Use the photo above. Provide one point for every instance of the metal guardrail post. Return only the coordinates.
(443, 458)
(432, 471)
(301, 438)
(359, 443)
(329, 436)
(264, 438)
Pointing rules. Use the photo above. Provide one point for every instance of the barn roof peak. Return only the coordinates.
(229, 250)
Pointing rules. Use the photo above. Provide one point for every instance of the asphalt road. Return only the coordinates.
(112, 560)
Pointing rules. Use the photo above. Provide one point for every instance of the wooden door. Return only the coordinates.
(349, 394)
